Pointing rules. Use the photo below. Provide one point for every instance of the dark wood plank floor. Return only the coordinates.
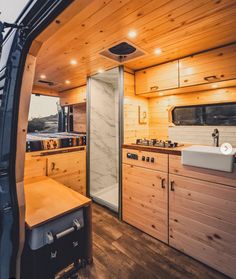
(121, 251)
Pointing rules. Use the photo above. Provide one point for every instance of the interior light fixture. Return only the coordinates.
(42, 76)
(67, 81)
(214, 85)
(73, 62)
(158, 51)
(132, 34)
(100, 71)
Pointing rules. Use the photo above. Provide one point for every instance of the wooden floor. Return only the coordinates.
(121, 251)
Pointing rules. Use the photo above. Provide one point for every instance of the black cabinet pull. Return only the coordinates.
(211, 78)
(152, 88)
(172, 185)
(163, 183)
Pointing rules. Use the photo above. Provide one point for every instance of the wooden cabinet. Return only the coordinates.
(202, 221)
(211, 66)
(73, 96)
(176, 167)
(157, 78)
(69, 169)
(160, 161)
(144, 200)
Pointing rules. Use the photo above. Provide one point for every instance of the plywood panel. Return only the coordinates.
(47, 199)
(132, 128)
(34, 166)
(206, 230)
(179, 28)
(145, 201)
(69, 169)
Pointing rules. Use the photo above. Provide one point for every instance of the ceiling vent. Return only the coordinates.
(50, 83)
(122, 52)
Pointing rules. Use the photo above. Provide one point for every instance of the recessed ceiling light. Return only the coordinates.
(132, 34)
(100, 71)
(73, 62)
(160, 94)
(158, 51)
(67, 81)
(42, 76)
(214, 85)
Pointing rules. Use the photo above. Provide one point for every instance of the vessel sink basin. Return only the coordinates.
(208, 157)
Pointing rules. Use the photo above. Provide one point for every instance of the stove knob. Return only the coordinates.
(143, 158)
(147, 159)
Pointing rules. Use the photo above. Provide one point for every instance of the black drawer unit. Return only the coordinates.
(52, 246)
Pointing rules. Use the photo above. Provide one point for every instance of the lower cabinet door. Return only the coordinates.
(202, 221)
(144, 200)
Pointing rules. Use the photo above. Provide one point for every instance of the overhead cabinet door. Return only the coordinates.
(145, 200)
(157, 78)
(202, 221)
(212, 66)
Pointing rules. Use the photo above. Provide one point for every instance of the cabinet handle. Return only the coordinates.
(172, 185)
(53, 166)
(163, 183)
(152, 88)
(211, 78)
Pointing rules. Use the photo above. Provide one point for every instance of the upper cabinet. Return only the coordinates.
(73, 96)
(211, 66)
(157, 78)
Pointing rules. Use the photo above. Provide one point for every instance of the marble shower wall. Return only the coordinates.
(103, 136)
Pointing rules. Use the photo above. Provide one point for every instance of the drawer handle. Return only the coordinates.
(163, 183)
(152, 88)
(211, 78)
(172, 185)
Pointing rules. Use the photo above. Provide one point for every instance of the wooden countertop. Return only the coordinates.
(173, 151)
(46, 199)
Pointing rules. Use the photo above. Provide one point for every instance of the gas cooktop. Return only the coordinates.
(158, 143)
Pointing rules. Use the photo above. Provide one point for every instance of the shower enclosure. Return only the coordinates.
(103, 138)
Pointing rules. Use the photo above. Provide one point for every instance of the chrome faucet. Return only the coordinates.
(216, 135)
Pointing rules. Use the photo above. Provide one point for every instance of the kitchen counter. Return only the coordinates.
(165, 150)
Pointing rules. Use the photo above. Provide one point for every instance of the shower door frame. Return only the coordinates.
(120, 135)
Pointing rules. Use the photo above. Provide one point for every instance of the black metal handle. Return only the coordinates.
(211, 78)
(154, 88)
(163, 183)
(172, 185)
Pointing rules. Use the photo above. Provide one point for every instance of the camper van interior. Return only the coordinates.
(132, 127)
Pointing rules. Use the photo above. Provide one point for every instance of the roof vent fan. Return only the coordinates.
(122, 52)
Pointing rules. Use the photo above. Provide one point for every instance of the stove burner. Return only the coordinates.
(157, 143)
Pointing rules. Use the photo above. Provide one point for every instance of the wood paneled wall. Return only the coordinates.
(132, 128)
(79, 116)
(73, 96)
(159, 111)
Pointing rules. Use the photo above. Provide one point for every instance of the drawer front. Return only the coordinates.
(145, 194)
(202, 221)
(176, 167)
(211, 66)
(157, 78)
(150, 160)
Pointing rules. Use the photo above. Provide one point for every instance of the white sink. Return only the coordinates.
(208, 157)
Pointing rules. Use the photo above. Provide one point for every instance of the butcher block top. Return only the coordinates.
(165, 150)
(46, 199)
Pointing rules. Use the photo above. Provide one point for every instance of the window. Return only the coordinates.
(223, 114)
(44, 114)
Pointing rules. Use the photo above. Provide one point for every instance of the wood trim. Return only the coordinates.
(45, 91)
(25, 95)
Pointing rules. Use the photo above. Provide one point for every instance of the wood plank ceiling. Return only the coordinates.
(177, 27)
